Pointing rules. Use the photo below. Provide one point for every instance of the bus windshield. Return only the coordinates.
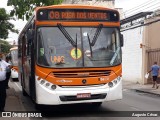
(14, 57)
(69, 47)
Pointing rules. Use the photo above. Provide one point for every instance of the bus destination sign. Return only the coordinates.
(77, 14)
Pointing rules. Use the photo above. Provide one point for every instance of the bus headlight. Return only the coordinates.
(53, 87)
(115, 81)
(42, 81)
(110, 84)
(119, 78)
(47, 84)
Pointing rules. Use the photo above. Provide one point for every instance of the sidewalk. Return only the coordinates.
(141, 88)
(13, 104)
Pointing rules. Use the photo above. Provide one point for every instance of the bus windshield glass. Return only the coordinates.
(70, 47)
(14, 57)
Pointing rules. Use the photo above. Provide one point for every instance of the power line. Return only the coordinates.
(143, 8)
(144, 4)
(148, 7)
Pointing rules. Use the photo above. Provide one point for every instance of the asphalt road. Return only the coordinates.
(132, 105)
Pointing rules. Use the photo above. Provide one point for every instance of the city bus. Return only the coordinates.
(14, 62)
(69, 54)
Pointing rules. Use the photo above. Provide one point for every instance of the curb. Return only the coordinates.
(142, 91)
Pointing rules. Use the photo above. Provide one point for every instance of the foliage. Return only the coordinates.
(23, 8)
(5, 25)
(4, 47)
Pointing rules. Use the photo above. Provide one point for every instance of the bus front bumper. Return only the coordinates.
(60, 95)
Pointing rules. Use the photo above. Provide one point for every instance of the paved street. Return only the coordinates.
(132, 101)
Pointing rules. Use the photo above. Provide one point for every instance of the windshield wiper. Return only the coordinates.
(66, 34)
(97, 34)
(76, 46)
(89, 41)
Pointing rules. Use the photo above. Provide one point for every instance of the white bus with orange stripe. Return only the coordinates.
(71, 54)
(14, 61)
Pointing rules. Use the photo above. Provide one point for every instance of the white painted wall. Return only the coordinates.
(132, 55)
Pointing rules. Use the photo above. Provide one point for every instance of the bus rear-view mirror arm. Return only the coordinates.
(121, 40)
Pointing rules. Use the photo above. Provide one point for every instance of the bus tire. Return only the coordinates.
(96, 104)
(24, 92)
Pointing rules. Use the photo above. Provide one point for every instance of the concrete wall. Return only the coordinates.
(135, 59)
(151, 41)
(132, 55)
(152, 33)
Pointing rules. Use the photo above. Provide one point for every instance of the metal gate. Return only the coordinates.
(153, 56)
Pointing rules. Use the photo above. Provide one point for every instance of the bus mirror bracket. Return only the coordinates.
(121, 40)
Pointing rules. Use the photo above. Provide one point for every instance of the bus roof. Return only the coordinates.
(75, 6)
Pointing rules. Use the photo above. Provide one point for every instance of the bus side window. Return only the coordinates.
(24, 52)
(30, 37)
(28, 47)
(25, 46)
(20, 47)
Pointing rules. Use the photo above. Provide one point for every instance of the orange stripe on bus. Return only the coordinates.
(54, 23)
(47, 74)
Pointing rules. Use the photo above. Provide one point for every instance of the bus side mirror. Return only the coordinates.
(121, 40)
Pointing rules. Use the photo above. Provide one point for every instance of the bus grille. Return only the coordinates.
(81, 86)
(81, 74)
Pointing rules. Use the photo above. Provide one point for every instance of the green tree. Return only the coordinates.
(23, 8)
(5, 25)
(4, 47)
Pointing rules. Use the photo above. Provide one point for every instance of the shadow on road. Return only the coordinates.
(75, 110)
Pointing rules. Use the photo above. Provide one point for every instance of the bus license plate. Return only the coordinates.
(83, 95)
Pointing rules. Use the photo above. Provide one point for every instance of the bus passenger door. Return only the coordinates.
(25, 64)
(29, 66)
(30, 62)
(23, 74)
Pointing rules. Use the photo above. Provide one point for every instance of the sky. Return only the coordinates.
(125, 4)
(128, 4)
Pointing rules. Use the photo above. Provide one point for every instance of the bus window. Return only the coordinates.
(41, 52)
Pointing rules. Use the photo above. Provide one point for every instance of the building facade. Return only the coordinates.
(141, 45)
